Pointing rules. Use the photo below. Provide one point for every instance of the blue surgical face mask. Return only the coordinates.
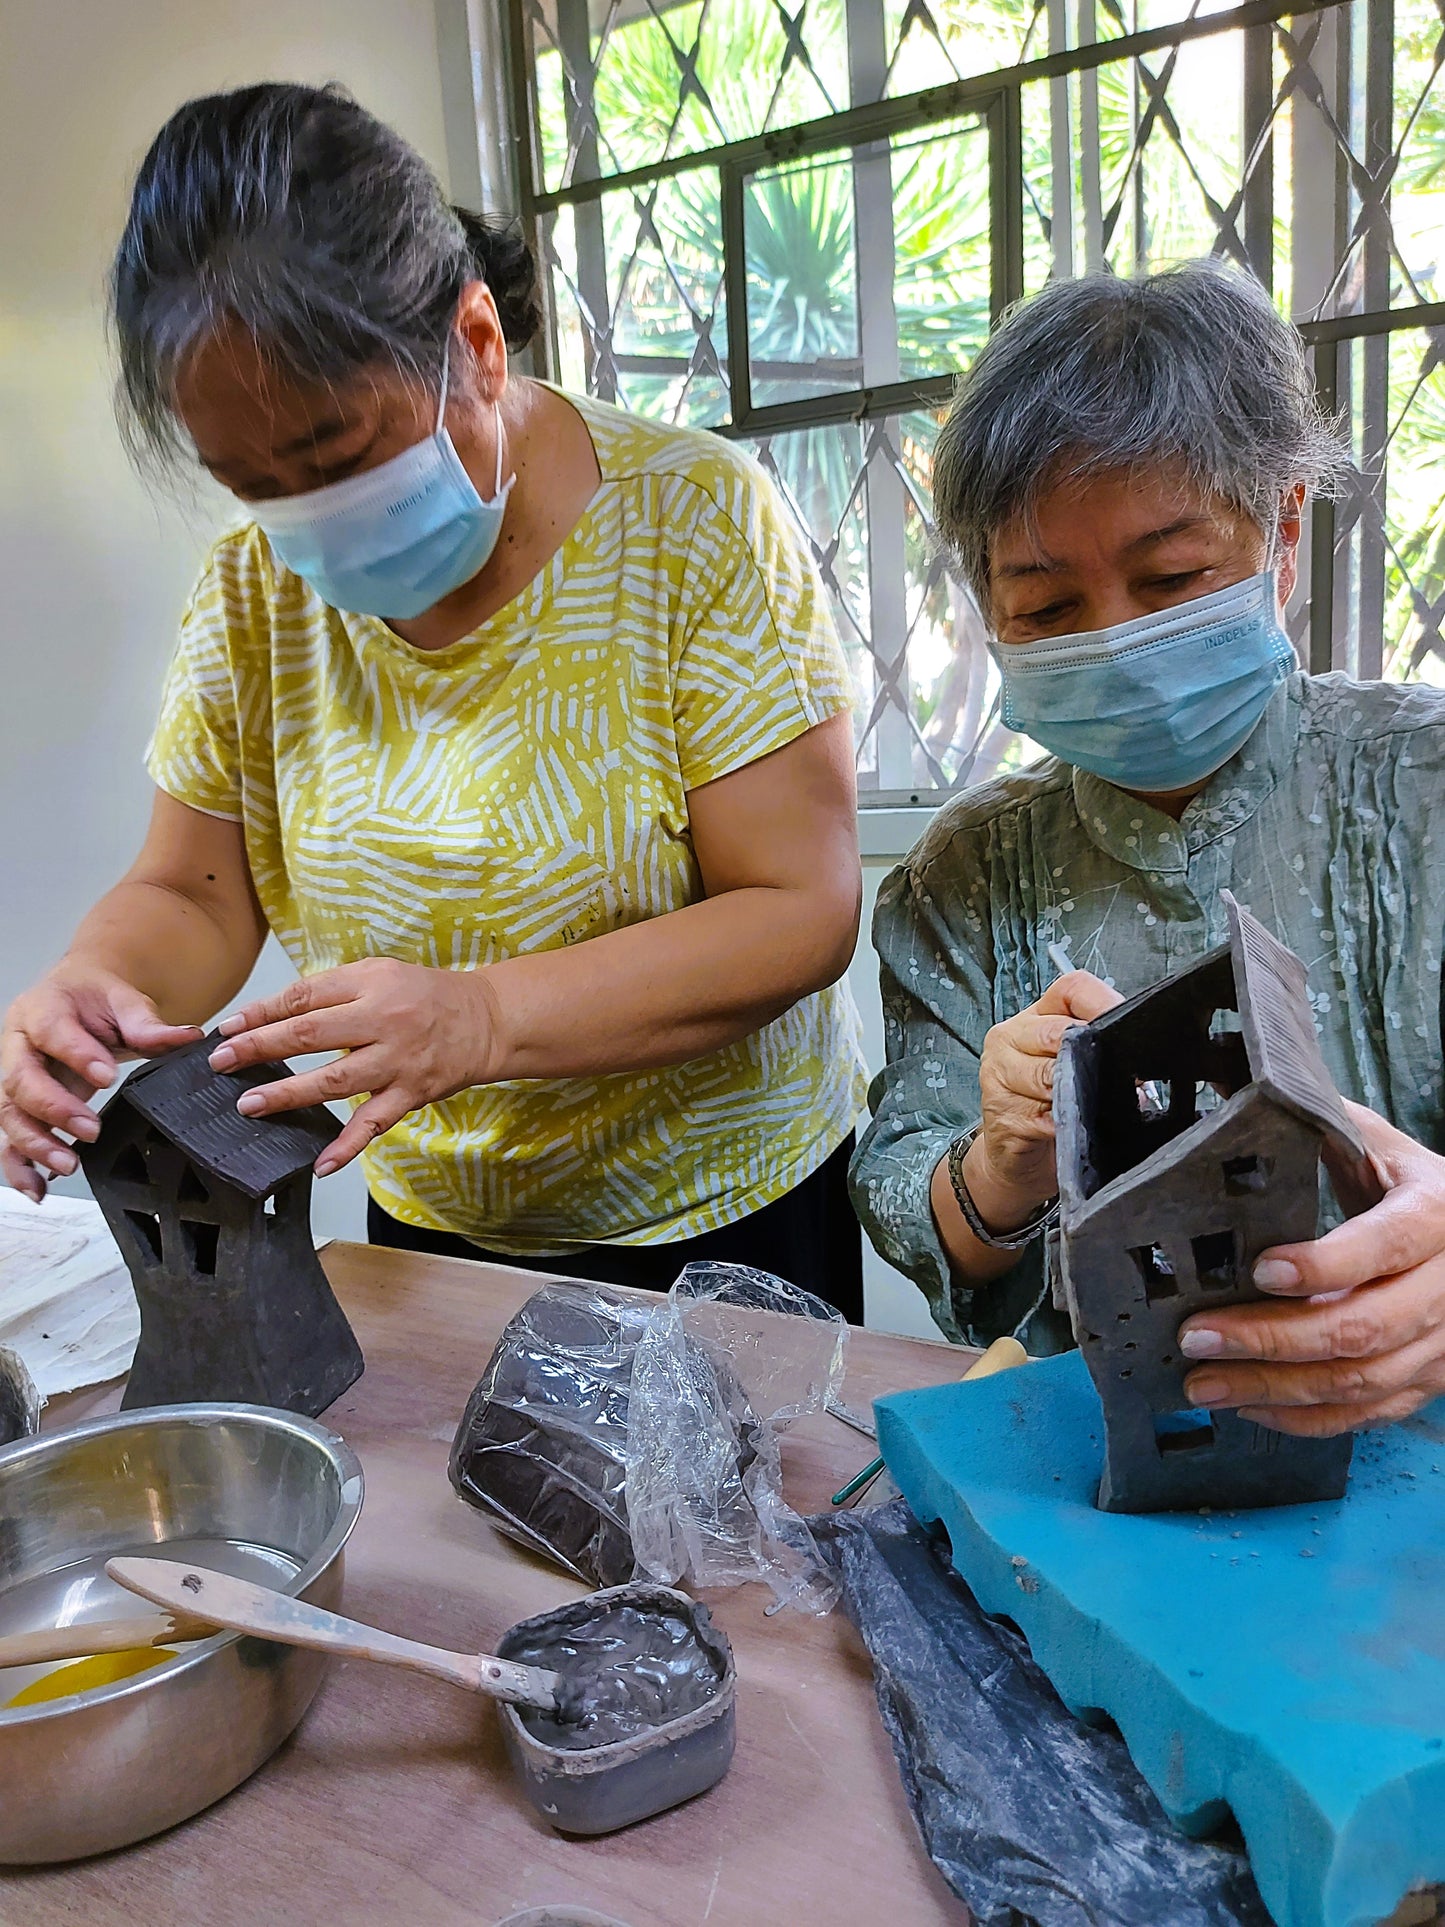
(1158, 703)
(395, 539)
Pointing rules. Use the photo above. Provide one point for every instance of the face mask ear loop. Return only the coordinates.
(446, 366)
(497, 478)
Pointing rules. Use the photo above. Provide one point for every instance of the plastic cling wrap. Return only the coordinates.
(542, 1444)
(621, 1436)
(700, 1510)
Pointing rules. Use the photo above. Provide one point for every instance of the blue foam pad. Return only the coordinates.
(1288, 1664)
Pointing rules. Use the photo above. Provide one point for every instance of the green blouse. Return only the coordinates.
(1322, 825)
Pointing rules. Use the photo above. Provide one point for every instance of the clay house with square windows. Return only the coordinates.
(1191, 1124)
(212, 1213)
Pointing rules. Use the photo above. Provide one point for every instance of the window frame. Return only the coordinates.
(996, 98)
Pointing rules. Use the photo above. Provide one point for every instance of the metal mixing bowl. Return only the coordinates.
(256, 1493)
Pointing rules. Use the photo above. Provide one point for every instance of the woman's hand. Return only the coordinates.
(411, 1035)
(61, 1042)
(1376, 1353)
(1010, 1166)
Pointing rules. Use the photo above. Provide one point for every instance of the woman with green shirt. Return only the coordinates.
(518, 720)
(1122, 478)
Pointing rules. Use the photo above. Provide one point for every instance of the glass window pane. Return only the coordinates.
(925, 686)
(940, 40)
(942, 269)
(664, 250)
(1417, 192)
(654, 79)
(1161, 180)
(637, 284)
(803, 331)
(1389, 581)
(870, 265)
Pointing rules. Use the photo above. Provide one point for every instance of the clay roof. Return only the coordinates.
(195, 1107)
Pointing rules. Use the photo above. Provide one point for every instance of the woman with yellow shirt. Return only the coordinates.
(519, 720)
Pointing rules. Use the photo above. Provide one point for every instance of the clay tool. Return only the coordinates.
(54, 1643)
(847, 1416)
(1153, 1096)
(1002, 1355)
(247, 1608)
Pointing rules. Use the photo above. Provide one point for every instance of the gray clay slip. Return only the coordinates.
(657, 1728)
(628, 1669)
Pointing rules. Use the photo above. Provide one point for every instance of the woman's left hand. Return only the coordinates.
(411, 1036)
(1375, 1354)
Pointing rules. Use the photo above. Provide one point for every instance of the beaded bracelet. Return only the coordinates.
(1014, 1240)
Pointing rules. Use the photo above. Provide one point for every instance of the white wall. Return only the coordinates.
(95, 568)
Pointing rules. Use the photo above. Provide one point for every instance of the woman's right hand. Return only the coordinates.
(1010, 1166)
(61, 1041)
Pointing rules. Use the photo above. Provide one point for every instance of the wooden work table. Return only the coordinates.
(393, 1803)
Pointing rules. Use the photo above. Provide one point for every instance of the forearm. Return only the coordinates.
(184, 954)
(664, 991)
(973, 1263)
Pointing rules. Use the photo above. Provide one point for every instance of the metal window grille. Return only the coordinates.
(792, 221)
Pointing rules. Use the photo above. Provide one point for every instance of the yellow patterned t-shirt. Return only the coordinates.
(527, 788)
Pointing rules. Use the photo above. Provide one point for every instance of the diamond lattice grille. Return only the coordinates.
(865, 266)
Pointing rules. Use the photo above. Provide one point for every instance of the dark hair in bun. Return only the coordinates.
(298, 214)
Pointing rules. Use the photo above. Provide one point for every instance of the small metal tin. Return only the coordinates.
(599, 1789)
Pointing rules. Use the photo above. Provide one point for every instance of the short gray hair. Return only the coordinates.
(1192, 366)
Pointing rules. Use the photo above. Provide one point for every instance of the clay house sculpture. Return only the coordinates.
(211, 1211)
(1191, 1122)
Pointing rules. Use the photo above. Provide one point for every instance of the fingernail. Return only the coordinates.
(250, 1104)
(83, 1125)
(229, 1026)
(99, 1074)
(223, 1058)
(1276, 1274)
(324, 1168)
(1206, 1390)
(63, 1162)
(1200, 1343)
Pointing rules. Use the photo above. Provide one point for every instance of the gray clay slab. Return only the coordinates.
(196, 1107)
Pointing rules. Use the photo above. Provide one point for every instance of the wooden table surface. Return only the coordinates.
(393, 1802)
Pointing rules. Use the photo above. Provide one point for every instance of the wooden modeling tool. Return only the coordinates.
(1002, 1355)
(84, 1657)
(101, 1636)
(247, 1608)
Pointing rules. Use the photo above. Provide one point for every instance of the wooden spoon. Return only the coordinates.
(248, 1608)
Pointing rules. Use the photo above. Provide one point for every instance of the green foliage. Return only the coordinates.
(1415, 509)
(677, 78)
